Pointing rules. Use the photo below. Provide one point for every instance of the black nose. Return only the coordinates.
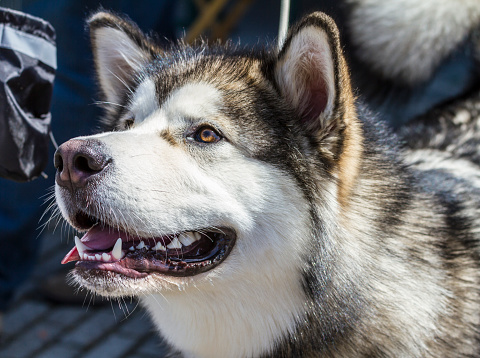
(78, 161)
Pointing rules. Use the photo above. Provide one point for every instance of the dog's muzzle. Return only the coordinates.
(82, 168)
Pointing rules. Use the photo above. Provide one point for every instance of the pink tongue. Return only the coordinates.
(71, 256)
(103, 238)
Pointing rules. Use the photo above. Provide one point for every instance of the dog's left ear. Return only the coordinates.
(312, 76)
(120, 50)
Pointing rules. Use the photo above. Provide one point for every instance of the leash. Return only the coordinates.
(284, 18)
(54, 142)
(52, 138)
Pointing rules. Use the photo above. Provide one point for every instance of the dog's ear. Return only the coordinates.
(311, 74)
(120, 49)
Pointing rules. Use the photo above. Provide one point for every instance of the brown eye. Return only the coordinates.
(207, 135)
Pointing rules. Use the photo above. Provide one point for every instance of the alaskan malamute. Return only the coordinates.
(257, 210)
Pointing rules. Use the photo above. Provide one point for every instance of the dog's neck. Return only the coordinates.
(238, 319)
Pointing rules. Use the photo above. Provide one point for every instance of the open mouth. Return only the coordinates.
(185, 253)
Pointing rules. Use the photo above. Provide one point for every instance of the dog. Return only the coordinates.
(257, 209)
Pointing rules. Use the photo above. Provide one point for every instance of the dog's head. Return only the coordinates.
(213, 161)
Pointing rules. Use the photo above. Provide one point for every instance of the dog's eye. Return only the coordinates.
(207, 135)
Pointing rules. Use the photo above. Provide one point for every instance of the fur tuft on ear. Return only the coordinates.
(120, 50)
(311, 74)
(305, 75)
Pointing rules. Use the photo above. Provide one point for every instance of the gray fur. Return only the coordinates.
(405, 40)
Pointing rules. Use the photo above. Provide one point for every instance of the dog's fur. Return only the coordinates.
(406, 40)
(348, 244)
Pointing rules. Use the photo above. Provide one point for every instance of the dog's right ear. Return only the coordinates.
(312, 76)
(120, 49)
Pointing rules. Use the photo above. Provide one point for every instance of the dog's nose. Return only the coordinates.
(79, 160)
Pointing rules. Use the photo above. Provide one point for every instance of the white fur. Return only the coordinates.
(407, 39)
(246, 304)
(144, 102)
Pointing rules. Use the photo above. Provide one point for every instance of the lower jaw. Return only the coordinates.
(112, 284)
(140, 270)
(100, 268)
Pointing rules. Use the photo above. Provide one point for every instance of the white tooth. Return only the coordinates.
(175, 244)
(187, 238)
(159, 246)
(197, 235)
(91, 258)
(98, 257)
(141, 245)
(81, 247)
(117, 250)
(132, 248)
(106, 257)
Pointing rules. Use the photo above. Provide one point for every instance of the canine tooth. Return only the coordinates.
(117, 250)
(132, 248)
(159, 246)
(187, 239)
(106, 257)
(98, 257)
(141, 245)
(81, 247)
(175, 244)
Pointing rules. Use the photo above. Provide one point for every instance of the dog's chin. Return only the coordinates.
(111, 284)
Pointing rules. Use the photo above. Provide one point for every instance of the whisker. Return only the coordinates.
(109, 103)
(113, 310)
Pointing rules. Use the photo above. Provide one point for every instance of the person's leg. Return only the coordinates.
(20, 210)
